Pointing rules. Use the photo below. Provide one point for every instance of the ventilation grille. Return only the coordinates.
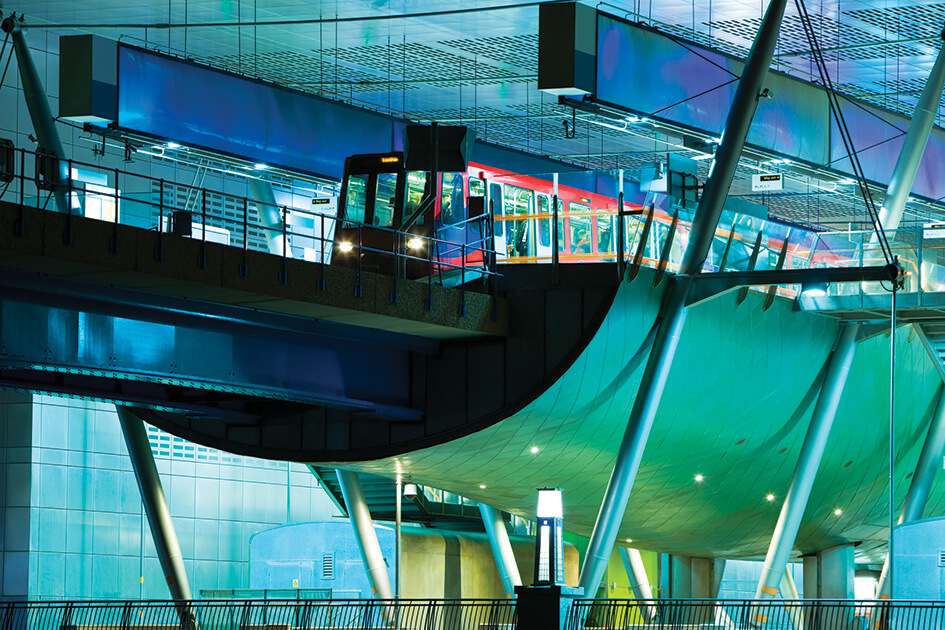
(328, 566)
(941, 558)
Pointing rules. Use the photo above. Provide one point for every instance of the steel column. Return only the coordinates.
(838, 368)
(269, 216)
(155, 505)
(917, 136)
(673, 309)
(921, 486)
(639, 582)
(501, 548)
(364, 534)
(38, 106)
(897, 193)
(789, 590)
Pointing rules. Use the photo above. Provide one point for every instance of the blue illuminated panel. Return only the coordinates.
(196, 106)
(644, 71)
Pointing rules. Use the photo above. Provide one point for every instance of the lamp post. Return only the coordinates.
(549, 546)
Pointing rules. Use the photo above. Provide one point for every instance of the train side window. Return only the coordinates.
(416, 184)
(355, 199)
(384, 200)
(580, 228)
(518, 202)
(495, 197)
(605, 234)
(452, 209)
(544, 222)
(477, 187)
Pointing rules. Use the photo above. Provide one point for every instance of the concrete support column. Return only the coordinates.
(828, 574)
(364, 534)
(707, 577)
(501, 548)
(155, 505)
(680, 581)
(835, 577)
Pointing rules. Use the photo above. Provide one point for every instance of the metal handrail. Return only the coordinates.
(721, 614)
(317, 614)
(244, 232)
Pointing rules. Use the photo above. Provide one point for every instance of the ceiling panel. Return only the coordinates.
(479, 66)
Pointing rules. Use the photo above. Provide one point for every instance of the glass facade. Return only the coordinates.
(82, 519)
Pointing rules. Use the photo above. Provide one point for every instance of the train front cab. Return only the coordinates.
(385, 209)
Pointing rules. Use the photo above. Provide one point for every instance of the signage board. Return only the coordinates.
(762, 182)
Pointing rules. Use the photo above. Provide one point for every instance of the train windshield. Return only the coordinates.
(416, 185)
(355, 201)
(385, 199)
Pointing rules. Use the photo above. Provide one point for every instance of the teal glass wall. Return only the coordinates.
(88, 536)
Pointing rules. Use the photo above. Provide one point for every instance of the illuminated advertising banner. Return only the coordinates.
(657, 76)
(193, 105)
(644, 71)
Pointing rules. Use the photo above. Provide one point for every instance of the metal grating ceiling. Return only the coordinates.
(906, 20)
(480, 67)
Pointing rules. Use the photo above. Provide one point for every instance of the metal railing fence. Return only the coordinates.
(363, 614)
(223, 217)
(708, 614)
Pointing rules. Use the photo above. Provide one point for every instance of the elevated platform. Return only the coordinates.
(36, 241)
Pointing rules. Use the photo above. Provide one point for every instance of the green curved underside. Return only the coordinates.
(735, 410)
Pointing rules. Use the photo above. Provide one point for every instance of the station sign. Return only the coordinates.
(933, 230)
(765, 182)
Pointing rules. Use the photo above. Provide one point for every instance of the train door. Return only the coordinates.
(520, 219)
(496, 200)
(543, 221)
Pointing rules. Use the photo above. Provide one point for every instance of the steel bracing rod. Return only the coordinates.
(921, 486)
(155, 505)
(364, 534)
(837, 111)
(501, 548)
(917, 136)
(38, 106)
(782, 542)
(639, 582)
(673, 311)
(269, 215)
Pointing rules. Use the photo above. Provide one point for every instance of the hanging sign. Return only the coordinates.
(760, 183)
(933, 230)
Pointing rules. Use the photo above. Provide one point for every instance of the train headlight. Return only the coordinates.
(415, 243)
(344, 247)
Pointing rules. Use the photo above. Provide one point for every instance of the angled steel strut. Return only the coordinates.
(673, 311)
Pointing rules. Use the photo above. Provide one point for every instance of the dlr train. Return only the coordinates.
(471, 220)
